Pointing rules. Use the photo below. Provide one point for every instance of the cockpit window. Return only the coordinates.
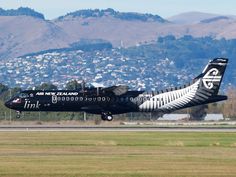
(23, 95)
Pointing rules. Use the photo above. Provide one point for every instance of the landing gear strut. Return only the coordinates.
(106, 116)
(18, 114)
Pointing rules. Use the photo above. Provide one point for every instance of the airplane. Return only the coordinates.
(108, 101)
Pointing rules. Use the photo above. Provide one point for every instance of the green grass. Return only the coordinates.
(120, 154)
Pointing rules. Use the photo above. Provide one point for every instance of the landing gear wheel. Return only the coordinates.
(107, 116)
(18, 114)
(103, 116)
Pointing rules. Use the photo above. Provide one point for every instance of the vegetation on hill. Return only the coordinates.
(121, 15)
(87, 45)
(189, 53)
(210, 20)
(21, 11)
(46, 86)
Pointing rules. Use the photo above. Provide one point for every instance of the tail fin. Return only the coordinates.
(204, 90)
(212, 76)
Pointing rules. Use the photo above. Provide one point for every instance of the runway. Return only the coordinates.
(59, 128)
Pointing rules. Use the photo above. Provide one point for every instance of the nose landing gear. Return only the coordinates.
(107, 116)
(18, 114)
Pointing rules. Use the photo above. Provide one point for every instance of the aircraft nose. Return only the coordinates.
(8, 104)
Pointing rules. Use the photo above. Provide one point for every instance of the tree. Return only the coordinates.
(4, 111)
(215, 108)
(198, 112)
(46, 86)
(10, 93)
(3, 88)
(230, 105)
(74, 85)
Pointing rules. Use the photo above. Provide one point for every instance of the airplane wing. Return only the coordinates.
(117, 90)
(96, 85)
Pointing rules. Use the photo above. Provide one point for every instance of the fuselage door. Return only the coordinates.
(54, 99)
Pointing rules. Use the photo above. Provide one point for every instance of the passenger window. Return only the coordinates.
(58, 98)
(63, 98)
(72, 98)
(113, 99)
(76, 98)
(67, 98)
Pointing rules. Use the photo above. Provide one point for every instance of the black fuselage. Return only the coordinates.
(90, 100)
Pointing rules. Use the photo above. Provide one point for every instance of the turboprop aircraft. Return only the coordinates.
(119, 99)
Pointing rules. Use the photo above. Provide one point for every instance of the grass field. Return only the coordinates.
(121, 154)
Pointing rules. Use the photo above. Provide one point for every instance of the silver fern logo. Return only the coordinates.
(211, 77)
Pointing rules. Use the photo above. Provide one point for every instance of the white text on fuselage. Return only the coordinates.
(57, 93)
(29, 105)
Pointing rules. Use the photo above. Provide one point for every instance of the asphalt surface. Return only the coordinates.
(113, 128)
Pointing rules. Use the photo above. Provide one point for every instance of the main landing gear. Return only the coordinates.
(106, 116)
(18, 114)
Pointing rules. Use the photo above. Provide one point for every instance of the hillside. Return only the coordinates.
(25, 31)
(20, 35)
(168, 62)
(191, 17)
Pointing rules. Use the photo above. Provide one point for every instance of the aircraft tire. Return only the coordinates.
(109, 117)
(106, 116)
(103, 116)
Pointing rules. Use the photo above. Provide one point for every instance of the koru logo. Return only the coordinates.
(211, 77)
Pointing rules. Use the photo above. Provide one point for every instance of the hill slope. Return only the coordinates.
(191, 17)
(25, 31)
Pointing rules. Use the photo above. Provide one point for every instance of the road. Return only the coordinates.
(4, 128)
